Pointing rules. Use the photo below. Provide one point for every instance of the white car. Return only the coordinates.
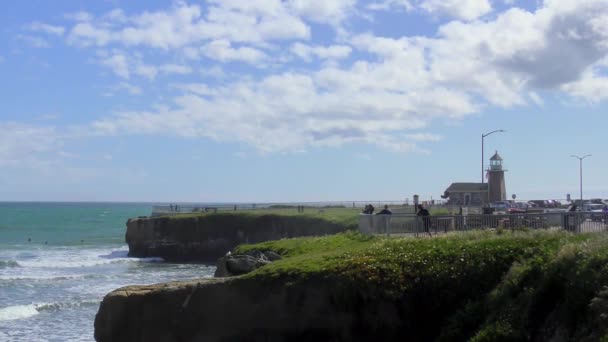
(593, 207)
(596, 210)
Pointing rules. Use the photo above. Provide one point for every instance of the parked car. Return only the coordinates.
(596, 210)
(501, 205)
(537, 203)
(593, 207)
(516, 210)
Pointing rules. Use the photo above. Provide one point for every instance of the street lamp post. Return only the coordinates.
(580, 159)
(482, 137)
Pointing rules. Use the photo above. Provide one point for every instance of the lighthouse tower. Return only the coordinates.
(496, 180)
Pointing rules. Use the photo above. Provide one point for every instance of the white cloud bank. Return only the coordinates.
(389, 92)
(459, 9)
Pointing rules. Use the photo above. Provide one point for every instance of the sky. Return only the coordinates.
(299, 100)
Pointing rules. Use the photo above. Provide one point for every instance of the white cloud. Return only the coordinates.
(35, 42)
(332, 12)
(423, 137)
(388, 92)
(307, 52)
(46, 28)
(391, 5)
(214, 72)
(184, 25)
(536, 98)
(175, 69)
(290, 112)
(79, 16)
(195, 88)
(118, 63)
(130, 88)
(520, 50)
(20, 143)
(222, 50)
(590, 87)
(460, 9)
(85, 34)
(125, 65)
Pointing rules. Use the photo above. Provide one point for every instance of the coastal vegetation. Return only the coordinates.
(339, 215)
(476, 286)
(343, 216)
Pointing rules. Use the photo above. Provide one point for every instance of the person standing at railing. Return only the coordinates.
(424, 213)
(385, 215)
(569, 216)
(369, 209)
(385, 211)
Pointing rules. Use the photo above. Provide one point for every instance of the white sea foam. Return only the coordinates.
(8, 263)
(24, 311)
(65, 305)
(45, 277)
(17, 312)
(79, 257)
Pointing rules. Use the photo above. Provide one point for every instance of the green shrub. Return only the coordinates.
(478, 286)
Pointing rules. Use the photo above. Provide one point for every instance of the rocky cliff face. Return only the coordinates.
(226, 309)
(206, 238)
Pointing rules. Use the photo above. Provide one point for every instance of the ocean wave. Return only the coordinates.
(75, 263)
(48, 277)
(52, 307)
(82, 258)
(8, 263)
(17, 312)
(25, 311)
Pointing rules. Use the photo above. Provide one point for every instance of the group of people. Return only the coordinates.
(420, 211)
(369, 209)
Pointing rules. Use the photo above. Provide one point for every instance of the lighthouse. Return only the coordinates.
(496, 180)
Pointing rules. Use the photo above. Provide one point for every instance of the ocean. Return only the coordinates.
(58, 261)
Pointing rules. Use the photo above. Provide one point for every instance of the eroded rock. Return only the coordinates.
(233, 265)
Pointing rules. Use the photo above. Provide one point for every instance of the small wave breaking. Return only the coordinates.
(8, 263)
(17, 312)
(25, 311)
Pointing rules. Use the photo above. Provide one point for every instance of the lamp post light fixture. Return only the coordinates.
(482, 137)
(580, 159)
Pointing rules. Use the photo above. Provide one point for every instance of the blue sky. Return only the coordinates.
(259, 101)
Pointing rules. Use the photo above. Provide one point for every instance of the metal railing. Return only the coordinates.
(171, 209)
(409, 224)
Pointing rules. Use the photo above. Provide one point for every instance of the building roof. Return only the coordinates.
(496, 156)
(467, 187)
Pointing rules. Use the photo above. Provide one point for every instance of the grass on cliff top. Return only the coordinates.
(355, 253)
(475, 286)
(347, 217)
(343, 216)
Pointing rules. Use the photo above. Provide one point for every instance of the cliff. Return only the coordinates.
(222, 309)
(488, 286)
(207, 237)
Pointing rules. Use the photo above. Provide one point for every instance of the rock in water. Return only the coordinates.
(242, 264)
(221, 270)
(233, 265)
